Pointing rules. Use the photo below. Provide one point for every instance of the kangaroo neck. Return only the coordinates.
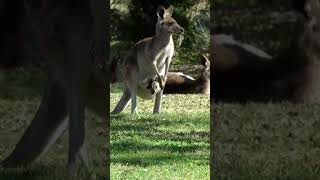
(203, 79)
(161, 39)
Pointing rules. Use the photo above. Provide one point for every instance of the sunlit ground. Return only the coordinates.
(172, 145)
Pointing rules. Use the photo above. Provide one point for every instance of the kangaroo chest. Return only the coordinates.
(155, 55)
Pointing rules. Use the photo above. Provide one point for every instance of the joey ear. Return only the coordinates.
(169, 11)
(160, 12)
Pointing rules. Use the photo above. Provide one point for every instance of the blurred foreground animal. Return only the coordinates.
(13, 24)
(242, 74)
(72, 37)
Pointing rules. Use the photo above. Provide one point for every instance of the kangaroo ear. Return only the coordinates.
(312, 8)
(204, 61)
(160, 12)
(168, 12)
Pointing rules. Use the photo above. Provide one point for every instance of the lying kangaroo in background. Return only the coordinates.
(292, 76)
(179, 83)
(68, 33)
(149, 58)
(230, 54)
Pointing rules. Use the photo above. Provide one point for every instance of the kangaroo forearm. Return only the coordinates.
(167, 67)
(155, 69)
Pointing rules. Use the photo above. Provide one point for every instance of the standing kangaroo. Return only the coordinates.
(149, 58)
(69, 33)
(292, 76)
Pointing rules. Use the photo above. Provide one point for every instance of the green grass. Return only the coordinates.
(20, 95)
(266, 141)
(172, 145)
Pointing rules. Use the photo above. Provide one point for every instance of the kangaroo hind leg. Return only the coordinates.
(124, 101)
(48, 124)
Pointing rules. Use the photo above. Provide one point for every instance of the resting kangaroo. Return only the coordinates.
(179, 83)
(68, 32)
(149, 58)
(292, 76)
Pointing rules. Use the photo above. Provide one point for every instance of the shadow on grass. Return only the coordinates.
(22, 83)
(119, 121)
(264, 170)
(150, 128)
(158, 158)
(54, 172)
(266, 141)
(116, 88)
(52, 164)
(143, 142)
(168, 146)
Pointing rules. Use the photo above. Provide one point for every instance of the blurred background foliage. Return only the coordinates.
(250, 3)
(132, 20)
(254, 22)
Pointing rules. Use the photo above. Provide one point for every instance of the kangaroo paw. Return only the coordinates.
(162, 82)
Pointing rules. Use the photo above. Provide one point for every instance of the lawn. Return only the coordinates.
(20, 95)
(172, 145)
(266, 141)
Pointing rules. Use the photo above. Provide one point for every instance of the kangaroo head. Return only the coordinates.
(166, 24)
(311, 26)
(153, 86)
(206, 66)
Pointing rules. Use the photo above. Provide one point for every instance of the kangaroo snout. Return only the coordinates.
(180, 30)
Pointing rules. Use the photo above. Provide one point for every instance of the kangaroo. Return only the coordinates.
(179, 83)
(12, 22)
(72, 37)
(229, 54)
(291, 76)
(149, 88)
(116, 75)
(149, 58)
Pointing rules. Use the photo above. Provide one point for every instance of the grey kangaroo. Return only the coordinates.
(69, 33)
(149, 58)
(179, 83)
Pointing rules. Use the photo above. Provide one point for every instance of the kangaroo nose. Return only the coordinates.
(182, 30)
(152, 91)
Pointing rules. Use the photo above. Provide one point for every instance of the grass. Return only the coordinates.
(20, 95)
(266, 141)
(172, 145)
